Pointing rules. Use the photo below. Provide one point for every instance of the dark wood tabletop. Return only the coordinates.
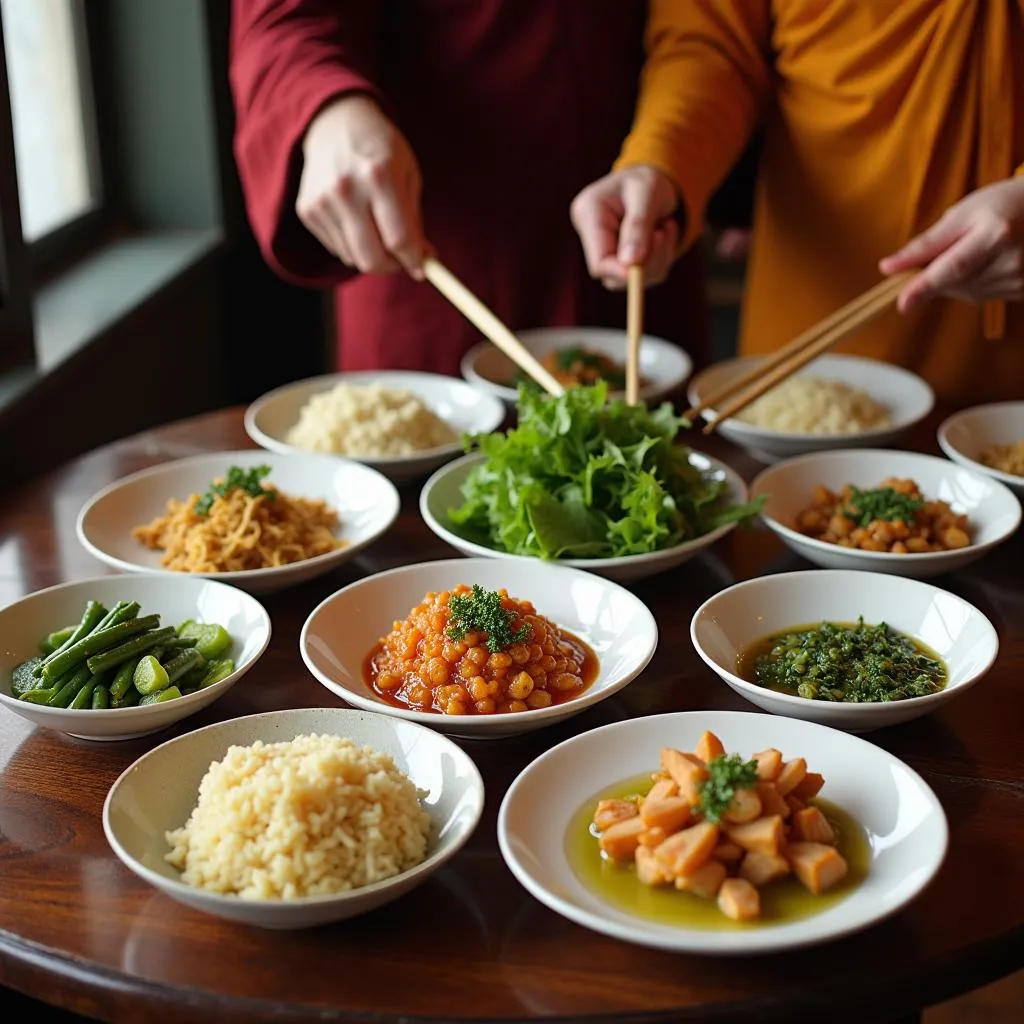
(78, 930)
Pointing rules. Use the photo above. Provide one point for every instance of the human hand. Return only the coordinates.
(625, 218)
(974, 251)
(359, 193)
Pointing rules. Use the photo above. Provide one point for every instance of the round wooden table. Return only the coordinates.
(78, 930)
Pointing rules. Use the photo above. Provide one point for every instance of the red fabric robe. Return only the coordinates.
(511, 107)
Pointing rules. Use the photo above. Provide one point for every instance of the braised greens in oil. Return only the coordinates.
(851, 663)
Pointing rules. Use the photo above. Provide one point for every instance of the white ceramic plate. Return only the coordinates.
(907, 397)
(663, 366)
(175, 598)
(443, 491)
(965, 435)
(340, 631)
(994, 513)
(465, 409)
(158, 792)
(729, 622)
(903, 820)
(366, 502)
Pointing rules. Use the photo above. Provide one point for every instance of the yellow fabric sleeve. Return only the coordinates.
(703, 85)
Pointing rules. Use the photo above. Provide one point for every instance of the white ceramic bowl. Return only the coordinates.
(994, 513)
(663, 366)
(340, 631)
(443, 490)
(158, 792)
(732, 620)
(907, 397)
(366, 502)
(901, 816)
(466, 409)
(177, 598)
(965, 435)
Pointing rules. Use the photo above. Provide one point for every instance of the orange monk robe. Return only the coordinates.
(877, 116)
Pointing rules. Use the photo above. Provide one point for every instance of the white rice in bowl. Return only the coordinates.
(368, 420)
(312, 816)
(813, 405)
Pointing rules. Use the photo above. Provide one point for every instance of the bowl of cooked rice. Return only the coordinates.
(402, 423)
(256, 519)
(988, 439)
(292, 819)
(836, 401)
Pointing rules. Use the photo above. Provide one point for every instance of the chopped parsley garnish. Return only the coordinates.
(864, 507)
(248, 480)
(726, 774)
(481, 611)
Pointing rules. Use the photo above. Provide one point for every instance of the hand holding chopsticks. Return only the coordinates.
(634, 330)
(487, 323)
(801, 350)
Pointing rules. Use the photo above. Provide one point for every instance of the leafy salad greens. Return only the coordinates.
(580, 477)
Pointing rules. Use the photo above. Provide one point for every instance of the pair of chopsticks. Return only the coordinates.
(816, 340)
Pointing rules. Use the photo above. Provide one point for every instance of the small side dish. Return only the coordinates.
(368, 420)
(117, 657)
(814, 405)
(1006, 458)
(240, 523)
(894, 517)
(711, 826)
(857, 664)
(312, 816)
(472, 651)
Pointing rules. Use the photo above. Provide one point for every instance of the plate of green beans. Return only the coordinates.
(117, 657)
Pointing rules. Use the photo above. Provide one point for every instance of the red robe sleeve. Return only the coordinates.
(288, 59)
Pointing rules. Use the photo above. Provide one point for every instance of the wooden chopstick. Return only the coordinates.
(829, 332)
(487, 323)
(634, 330)
(891, 286)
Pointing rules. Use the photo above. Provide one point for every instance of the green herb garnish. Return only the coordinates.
(247, 480)
(864, 507)
(481, 611)
(726, 774)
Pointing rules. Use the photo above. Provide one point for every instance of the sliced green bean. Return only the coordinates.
(216, 671)
(66, 694)
(83, 699)
(52, 641)
(39, 696)
(129, 649)
(101, 640)
(182, 662)
(178, 643)
(168, 693)
(130, 699)
(100, 698)
(122, 681)
(93, 613)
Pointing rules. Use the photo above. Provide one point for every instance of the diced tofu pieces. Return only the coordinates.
(685, 770)
(745, 806)
(705, 881)
(738, 899)
(709, 747)
(684, 852)
(765, 835)
(647, 869)
(761, 868)
(611, 811)
(670, 814)
(772, 801)
(619, 842)
(769, 764)
(792, 775)
(727, 852)
(811, 826)
(816, 865)
(808, 787)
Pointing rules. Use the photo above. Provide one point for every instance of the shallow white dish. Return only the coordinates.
(366, 502)
(904, 822)
(993, 511)
(733, 619)
(158, 792)
(340, 631)
(443, 490)
(467, 410)
(907, 397)
(176, 598)
(965, 435)
(663, 366)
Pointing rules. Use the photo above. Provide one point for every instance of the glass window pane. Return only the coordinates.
(49, 112)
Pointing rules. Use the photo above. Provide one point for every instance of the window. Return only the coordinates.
(51, 113)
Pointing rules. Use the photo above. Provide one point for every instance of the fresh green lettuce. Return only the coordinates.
(580, 477)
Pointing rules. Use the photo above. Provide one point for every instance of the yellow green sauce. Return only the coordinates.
(781, 901)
